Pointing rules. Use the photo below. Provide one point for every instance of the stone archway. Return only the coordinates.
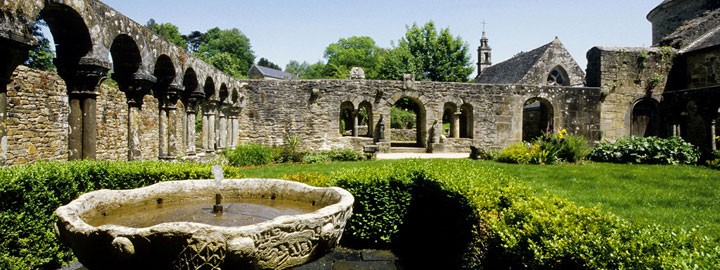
(645, 121)
(408, 126)
(537, 118)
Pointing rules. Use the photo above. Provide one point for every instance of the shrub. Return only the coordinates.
(344, 154)
(316, 159)
(403, 119)
(714, 160)
(547, 149)
(31, 193)
(249, 155)
(481, 153)
(290, 151)
(646, 150)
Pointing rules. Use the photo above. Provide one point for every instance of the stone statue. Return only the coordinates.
(357, 73)
(435, 132)
(381, 129)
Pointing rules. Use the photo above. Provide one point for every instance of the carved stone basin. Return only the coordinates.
(295, 223)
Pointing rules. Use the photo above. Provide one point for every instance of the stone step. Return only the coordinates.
(408, 150)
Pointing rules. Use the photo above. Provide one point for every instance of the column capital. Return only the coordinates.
(140, 85)
(85, 79)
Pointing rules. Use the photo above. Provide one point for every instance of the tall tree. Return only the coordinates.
(41, 56)
(429, 55)
(194, 39)
(228, 50)
(266, 63)
(168, 31)
(352, 52)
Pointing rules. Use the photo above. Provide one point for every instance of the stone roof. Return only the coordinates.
(514, 69)
(696, 34)
(266, 72)
(534, 66)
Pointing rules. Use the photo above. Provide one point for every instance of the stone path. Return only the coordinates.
(338, 259)
(421, 155)
(347, 259)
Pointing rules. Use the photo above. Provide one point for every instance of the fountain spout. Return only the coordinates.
(218, 174)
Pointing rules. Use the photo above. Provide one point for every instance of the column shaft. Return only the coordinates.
(89, 128)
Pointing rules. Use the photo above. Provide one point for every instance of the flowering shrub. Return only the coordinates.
(547, 149)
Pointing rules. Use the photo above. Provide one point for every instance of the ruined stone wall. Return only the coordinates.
(703, 68)
(626, 75)
(311, 109)
(37, 121)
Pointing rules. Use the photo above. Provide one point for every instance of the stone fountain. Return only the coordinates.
(201, 224)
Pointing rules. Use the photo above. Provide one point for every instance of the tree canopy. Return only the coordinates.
(306, 71)
(266, 63)
(228, 50)
(40, 56)
(429, 55)
(168, 31)
(352, 52)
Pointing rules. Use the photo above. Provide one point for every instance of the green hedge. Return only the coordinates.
(30, 194)
(466, 217)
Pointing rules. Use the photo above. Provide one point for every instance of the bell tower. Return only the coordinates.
(484, 53)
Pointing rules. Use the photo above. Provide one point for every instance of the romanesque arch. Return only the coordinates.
(167, 94)
(192, 95)
(645, 116)
(467, 121)
(538, 116)
(419, 130)
(209, 111)
(365, 119)
(223, 111)
(347, 119)
(450, 120)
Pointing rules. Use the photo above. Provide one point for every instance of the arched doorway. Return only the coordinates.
(466, 121)
(407, 123)
(347, 118)
(537, 118)
(644, 121)
(365, 119)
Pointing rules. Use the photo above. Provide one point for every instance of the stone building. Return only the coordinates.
(265, 73)
(167, 104)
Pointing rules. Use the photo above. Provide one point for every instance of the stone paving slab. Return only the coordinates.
(421, 155)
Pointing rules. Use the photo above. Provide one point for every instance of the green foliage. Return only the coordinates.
(168, 31)
(228, 50)
(482, 153)
(400, 118)
(290, 151)
(319, 158)
(549, 148)
(31, 193)
(433, 56)
(352, 52)
(646, 150)
(40, 56)
(249, 155)
(714, 160)
(313, 178)
(335, 154)
(306, 71)
(266, 63)
(396, 62)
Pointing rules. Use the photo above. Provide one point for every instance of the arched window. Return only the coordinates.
(558, 77)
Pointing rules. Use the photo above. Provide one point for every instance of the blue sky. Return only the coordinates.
(301, 30)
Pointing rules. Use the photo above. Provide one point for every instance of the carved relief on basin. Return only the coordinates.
(267, 224)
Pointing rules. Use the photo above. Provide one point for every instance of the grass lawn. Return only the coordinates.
(671, 196)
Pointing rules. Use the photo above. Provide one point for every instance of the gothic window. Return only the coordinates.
(558, 77)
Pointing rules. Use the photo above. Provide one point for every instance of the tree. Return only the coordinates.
(168, 31)
(429, 55)
(228, 50)
(306, 71)
(352, 52)
(266, 63)
(41, 56)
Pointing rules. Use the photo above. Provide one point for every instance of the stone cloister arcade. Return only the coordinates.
(93, 39)
(174, 103)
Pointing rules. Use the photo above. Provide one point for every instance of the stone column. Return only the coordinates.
(713, 144)
(221, 127)
(210, 135)
(455, 129)
(355, 124)
(162, 124)
(3, 116)
(135, 92)
(82, 84)
(205, 128)
(190, 130)
(171, 107)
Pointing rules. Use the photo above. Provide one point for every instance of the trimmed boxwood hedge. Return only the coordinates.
(457, 215)
(30, 194)
(444, 214)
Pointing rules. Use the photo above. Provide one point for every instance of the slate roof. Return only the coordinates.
(272, 73)
(514, 69)
(696, 34)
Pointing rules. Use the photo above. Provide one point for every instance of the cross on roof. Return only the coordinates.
(484, 23)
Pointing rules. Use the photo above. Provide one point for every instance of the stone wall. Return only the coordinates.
(310, 109)
(625, 76)
(670, 15)
(37, 120)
